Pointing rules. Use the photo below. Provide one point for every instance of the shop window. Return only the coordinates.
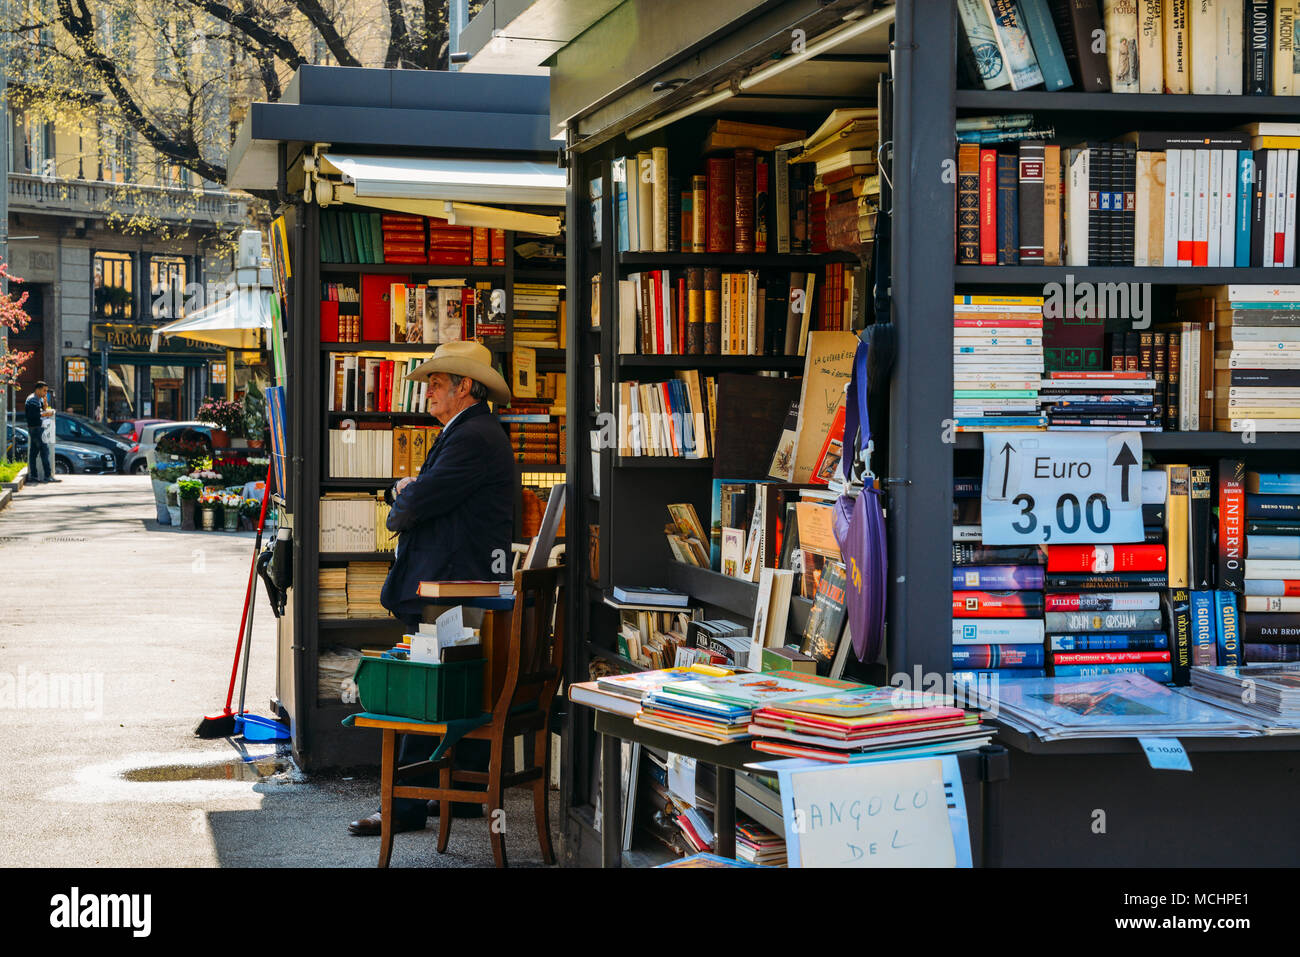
(114, 292)
(121, 392)
(168, 276)
(75, 385)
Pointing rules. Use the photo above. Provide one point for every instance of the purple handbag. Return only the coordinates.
(859, 522)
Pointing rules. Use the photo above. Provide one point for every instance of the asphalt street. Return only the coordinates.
(116, 637)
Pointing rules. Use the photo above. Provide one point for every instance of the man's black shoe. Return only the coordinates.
(370, 826)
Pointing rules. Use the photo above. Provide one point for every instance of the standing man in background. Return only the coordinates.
(37, 449)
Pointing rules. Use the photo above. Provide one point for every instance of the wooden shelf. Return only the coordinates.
(740, 363)
(434, 271)
(1065, 101)
(635, 262)
(660, 462)
(1157, 275)
(1215, 442)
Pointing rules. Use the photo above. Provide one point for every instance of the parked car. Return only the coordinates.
(69, 427)
(130, 429)
(69, 457)
(152, 433)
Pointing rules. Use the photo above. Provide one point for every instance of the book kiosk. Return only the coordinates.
(683, 64)
(442, 187)
(1085, 801)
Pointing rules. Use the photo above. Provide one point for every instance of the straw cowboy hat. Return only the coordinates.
(470, 359)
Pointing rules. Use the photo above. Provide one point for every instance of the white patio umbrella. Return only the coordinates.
(236, 322)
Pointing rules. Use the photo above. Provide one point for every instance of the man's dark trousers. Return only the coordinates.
(37, 450)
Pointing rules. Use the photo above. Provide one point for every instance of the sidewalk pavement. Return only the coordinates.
(129, 628)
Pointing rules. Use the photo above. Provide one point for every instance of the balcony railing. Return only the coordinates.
(93, 199)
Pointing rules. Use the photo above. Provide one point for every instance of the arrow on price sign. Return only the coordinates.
(1124, 460)
(1061, 487)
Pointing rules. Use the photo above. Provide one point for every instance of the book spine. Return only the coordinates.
(1013, 41)
(1201, 209)
(1186, 205)
(721, 205)
(1151, 63)
(659, 198)
(1231, 38)
(1227, 637)
(997, 656)
(1231, 519)
(1046, 44)
(1052, 245)
(1156, 672)
(988, 208)
(1094, 73)
(700, 214)
(762, 202)
(1173, 168)
(1228, 195)
(1200, 517)
(1111, 641)
(1121, 20)
(1180, 634)
(1008, 212)
(1177, 45)
(645, 201)
(1203, 27)
(997, 577)
(1090, 621)
(968, 204)
(1215, 204)
(1098, 203)
(744, 170)
(713, 311)
(1002, 604)
(983, 44)
(1259, 47)
(1203, 629)
(1284, 13)
(1031, 206)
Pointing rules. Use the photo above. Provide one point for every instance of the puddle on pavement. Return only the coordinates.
(255, 770)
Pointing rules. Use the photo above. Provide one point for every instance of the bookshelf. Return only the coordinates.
(1050, 783)
(325, 742)
(629, 514)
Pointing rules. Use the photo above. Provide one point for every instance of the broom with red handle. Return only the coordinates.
(223, 725)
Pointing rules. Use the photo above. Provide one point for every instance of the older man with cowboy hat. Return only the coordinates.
(455, 518)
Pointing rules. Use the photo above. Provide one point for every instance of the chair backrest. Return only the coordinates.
(536, 652)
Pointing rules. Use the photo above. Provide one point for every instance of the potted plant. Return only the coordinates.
(188, 490)
(250, 509)
(174, 505)
(230, 502)
(227, 416)
(209, 503)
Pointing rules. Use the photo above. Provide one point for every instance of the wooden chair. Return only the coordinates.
(523, 706)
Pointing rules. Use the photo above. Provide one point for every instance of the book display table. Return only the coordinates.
(983, 776)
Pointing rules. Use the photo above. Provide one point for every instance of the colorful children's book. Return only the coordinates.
(754, 690)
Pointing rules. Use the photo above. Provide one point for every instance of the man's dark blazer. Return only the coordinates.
(457, 517)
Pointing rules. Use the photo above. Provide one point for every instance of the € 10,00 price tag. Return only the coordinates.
(1061, 488)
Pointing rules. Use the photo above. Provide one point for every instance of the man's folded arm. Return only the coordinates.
(441, 488)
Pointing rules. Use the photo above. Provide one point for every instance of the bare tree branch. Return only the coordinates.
(277, 43)
(316, 15)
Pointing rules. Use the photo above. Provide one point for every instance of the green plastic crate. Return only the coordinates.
(425, 692)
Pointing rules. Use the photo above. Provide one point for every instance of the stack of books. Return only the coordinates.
(1145, 47)
(365, 451)
(717, 710)
(1101, 402)
(997, 362)
(365, 582)
(839, 726)
(356, 383)
(332, 584)
(542, 306)
(354, 522)
(1270, 621)
(846, 180)
(755, 844)
(1098, 629)
(450, 245)
(1257, 360)
(997, 602)
(1269, 691)
(404, 238)
(536, 435)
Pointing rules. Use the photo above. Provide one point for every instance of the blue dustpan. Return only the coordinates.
(256, 728)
